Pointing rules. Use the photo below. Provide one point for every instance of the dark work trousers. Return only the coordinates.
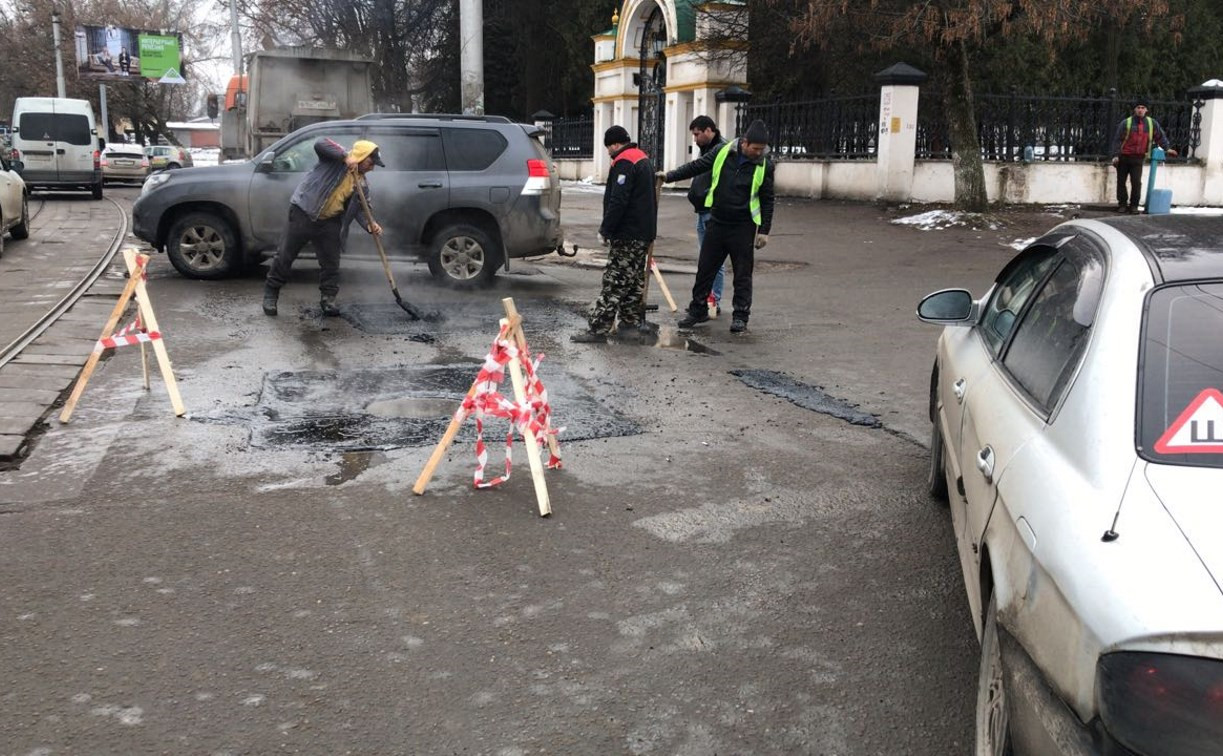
(325, 234)
(722, 240)
(1129, 166)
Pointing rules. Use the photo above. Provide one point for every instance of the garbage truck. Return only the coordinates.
(289, 87)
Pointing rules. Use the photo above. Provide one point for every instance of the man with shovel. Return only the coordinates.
(630, 219)
(320, 210)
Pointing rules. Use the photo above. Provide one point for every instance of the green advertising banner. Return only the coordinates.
(159, 58)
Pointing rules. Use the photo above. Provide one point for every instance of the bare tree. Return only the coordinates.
(955, 30)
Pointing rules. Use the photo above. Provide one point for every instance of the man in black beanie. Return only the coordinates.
(740, 200)
(628, 227)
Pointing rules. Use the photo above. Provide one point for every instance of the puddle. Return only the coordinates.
(352, 464)
(805, 396)
(413, 407)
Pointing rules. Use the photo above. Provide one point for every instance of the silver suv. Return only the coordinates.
(466, 193)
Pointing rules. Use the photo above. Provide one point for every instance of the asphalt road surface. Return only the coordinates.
(724, 571)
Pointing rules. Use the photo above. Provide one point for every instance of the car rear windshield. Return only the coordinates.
(1180, 412)
(59, 127)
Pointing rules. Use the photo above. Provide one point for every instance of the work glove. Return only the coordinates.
(1116, 160)
(1170, 153)
(661, 176)
(761, 240)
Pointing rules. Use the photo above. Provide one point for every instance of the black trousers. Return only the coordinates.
(736, 241)
(325, 235)
(1129, 166)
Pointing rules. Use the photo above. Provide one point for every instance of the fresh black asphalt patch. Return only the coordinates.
(806, 396)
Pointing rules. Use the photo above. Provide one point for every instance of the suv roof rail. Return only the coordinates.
(436, 117)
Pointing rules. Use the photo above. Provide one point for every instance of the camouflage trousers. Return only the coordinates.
(623, 279)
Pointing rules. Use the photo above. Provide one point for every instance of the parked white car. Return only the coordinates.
(1077, 416)
(14, 202)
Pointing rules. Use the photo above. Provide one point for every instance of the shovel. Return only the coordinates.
(414, 313)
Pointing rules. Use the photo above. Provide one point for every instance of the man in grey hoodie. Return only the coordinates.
(319, 211)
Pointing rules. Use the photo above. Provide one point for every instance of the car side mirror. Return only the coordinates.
(265, 163)
(948, 306)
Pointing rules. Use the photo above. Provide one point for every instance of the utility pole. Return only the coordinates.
(471, 35)
(60, 87)
(235, 39)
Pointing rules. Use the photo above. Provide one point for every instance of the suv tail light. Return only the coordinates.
(1162, 703)
(102, 161)
(97, 160)
(539, 179)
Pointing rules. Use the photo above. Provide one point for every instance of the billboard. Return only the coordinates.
(115, 53)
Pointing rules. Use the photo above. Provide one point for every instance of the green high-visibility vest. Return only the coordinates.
(1129, 124)
(757, 180)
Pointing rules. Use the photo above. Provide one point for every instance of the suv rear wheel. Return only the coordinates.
(463, 256)
(202, 245)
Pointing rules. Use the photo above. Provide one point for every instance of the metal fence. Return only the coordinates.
(841, 128)
(1015, 128)
(570, 137)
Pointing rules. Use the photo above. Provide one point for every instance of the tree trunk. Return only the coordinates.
(962, 128)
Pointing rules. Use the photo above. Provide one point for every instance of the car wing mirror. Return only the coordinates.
(265, 163)
(948, 307)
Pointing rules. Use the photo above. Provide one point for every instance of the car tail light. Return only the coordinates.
(144, 162)
(103, 161)
(97, 160)
(539, 180)
(1162, 703)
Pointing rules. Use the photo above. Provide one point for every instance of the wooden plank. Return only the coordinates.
(520, 395)
(149, 321)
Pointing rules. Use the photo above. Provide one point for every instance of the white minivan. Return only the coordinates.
(57, 139)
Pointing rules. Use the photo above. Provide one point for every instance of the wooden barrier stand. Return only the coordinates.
(511, 325)
(145, 329)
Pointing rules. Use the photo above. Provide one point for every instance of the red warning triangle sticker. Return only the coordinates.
(1198, 430)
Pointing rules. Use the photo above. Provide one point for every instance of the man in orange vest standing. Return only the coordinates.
(1136, 134)
(629, 225)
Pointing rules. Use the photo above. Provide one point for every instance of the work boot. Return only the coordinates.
(738, 326)
(691, 320)
(588, 337)
(327, 305)
(270, 295)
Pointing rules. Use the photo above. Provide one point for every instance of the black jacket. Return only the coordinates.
(629, 210)
(731, 200)
(700, 184)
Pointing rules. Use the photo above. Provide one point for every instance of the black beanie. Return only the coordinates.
(757, 133)
(615, 135)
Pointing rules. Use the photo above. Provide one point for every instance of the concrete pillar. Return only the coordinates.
(897, 145)
(1210, 151)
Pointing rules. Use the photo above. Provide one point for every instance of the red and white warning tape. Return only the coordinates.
(487, 401)
(132, 333)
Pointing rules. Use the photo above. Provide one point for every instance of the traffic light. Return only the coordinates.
(213, 107)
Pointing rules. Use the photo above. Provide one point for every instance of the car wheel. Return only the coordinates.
(22, 229)
(936, 475)
(201, 245)
(464, 257)
(173, 166)
(993, 714)
(97, 190)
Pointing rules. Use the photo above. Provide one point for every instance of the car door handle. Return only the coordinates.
(957, 388)
(60, 151)
(430, 185)
(985, 463)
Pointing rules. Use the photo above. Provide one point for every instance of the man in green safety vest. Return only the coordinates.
(740, 202)
(1131, 147)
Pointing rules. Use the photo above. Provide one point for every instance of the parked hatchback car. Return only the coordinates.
(124, 162)
(14, 201)
(465, 193)
(167, 157)
(1078, 431)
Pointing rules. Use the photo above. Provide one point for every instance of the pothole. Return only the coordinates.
(806, 396)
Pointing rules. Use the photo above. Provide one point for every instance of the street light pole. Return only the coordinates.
(60, 87)
(235, 39)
